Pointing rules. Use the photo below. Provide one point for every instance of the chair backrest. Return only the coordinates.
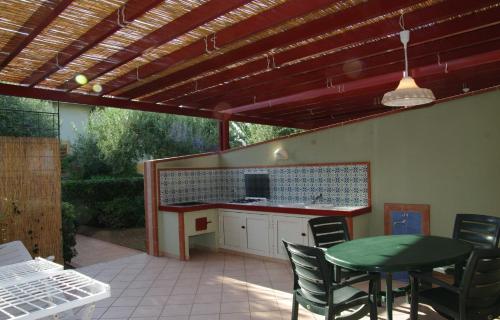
(312, 273)
(329, 231)
(13, 252)
(481, 231)
(481, 280)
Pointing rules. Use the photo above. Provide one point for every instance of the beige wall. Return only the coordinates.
(447, 156)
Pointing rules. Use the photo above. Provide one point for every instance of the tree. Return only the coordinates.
(117, 139)
(22, 117)
(243, 134)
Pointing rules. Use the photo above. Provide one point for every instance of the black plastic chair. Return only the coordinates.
(316, 289)
(477, 297)
(482, 231)
(329, 231)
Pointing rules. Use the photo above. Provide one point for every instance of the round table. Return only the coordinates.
(398, 253)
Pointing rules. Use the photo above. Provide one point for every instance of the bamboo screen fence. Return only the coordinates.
(30, 194)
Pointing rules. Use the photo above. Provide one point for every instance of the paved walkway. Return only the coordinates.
(92, 251)
(210, 286)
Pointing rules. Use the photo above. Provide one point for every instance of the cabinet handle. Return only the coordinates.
(242, 227)
(303, 234)
(209, 221)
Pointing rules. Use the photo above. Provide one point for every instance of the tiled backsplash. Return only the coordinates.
(342, 184)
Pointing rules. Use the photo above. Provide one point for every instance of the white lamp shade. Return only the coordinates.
(408, 94)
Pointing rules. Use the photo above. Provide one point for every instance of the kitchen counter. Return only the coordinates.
(273, 207)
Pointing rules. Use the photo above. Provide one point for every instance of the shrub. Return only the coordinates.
(69, 227)
(107, 202)
(122, 212)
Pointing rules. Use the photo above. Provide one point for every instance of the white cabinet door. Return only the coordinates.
(291, 229)
(233, 226)
(257, 234)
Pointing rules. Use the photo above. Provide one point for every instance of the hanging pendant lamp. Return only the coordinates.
(408, 93)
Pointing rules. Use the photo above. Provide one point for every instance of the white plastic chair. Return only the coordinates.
(13, 252)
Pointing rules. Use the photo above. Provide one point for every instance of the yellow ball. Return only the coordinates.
(81, 79)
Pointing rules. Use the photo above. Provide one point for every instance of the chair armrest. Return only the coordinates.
(433, 280)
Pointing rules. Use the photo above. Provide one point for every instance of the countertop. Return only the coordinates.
(273, 207)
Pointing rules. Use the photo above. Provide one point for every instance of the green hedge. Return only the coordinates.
(69, 227)
(107, 202)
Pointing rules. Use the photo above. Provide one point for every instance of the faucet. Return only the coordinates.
(317, 198)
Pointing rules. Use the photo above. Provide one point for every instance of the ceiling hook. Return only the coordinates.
(124, 19)
(118, 18)
(57, 62)
(402, 20)
(329, 82)
(274, 62)
(439, 59)
(137, 74)
(268, 62)
(311, 112)
(213, 42)
(206, 45)
(446, 67)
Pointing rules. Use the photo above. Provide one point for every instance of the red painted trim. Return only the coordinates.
(42, 17)
(155, 201)
(301, 211)
(146, 201)
(108, 26)
(350, 227)
(321, 164)
(182, 238)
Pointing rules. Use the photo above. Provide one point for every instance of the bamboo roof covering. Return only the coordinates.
(294, 63)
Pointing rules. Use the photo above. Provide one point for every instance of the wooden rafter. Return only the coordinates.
(170, 31)
(317, 27)
(267, 19)
(41, 18)
(107, 27)
(362, 84)
(321, 65)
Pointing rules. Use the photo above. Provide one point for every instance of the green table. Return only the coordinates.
(398, 253)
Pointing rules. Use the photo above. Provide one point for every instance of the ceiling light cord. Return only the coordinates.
(405, 38)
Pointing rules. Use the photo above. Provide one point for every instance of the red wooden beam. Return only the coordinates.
(372, 66)
(189, 21)
(419, 37)
(340, 19)
(224, 135)
(132, 10)
(362, 84)
(92, 100)
(443, 89)
(443, 85)
(267, 19)
(41, 19)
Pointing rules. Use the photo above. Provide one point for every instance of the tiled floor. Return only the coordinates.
(210, 286)
(92, 251)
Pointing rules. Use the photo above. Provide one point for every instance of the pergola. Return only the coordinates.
(295, 63)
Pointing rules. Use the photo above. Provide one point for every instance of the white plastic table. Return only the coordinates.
(40, 288)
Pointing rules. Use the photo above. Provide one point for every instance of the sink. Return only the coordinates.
(292, 205)
(187, 204)
(326, 206)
